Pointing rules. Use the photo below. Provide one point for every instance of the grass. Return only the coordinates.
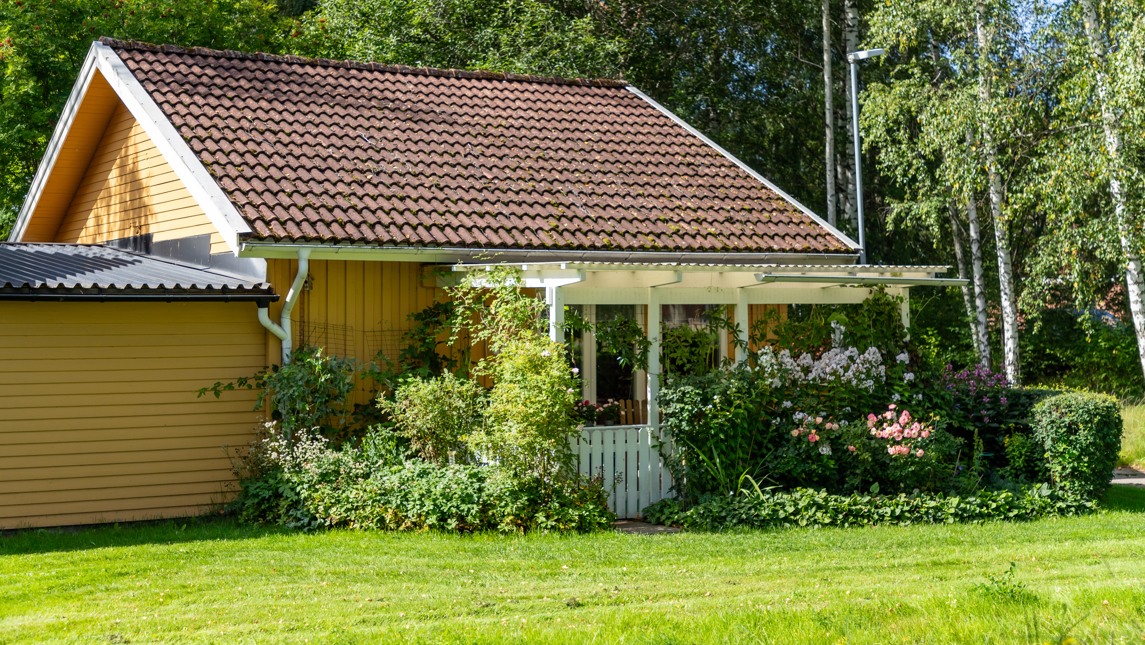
(216, 581)
(1133, 441)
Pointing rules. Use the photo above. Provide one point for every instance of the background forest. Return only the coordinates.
(1001, 137)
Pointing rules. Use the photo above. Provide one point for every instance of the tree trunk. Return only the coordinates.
(960, 260)
(978, 280)
(829, 116)
(850, 44)
(997, 207)
(1098, 46)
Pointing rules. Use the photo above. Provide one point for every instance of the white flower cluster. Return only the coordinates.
(293, 455)
(837, 365)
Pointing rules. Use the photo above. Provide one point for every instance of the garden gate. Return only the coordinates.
(630, 457)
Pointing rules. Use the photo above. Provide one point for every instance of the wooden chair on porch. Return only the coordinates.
(633, 413)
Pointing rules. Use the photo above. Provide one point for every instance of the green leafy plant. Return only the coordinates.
(808, 508)
(437, 415)
(311, 391)
(1005, 587)
(623, 338)
(304, 482)
(1081, 436)
(529, 420)
(419, 355)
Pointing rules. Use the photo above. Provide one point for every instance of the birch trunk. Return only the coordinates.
(850, 43)
(960, 260)
(1098, 45)
(978, 280)
(997, 207)
(829, 116)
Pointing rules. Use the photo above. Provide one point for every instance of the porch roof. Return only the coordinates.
(686, 283)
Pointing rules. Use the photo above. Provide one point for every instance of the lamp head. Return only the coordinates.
(855, 57)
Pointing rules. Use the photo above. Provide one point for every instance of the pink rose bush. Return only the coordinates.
(900, 431)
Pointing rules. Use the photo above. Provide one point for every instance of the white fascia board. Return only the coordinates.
(530, 257)
(746, 168)
(55, 144)
(202, 186)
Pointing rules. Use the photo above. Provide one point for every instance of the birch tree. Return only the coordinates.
(984, 32)
(1126, 221)
(923, 122)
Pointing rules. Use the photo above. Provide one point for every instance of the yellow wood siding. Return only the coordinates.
(71, 163)
(99, 415)
(129, 189)
(351, 308)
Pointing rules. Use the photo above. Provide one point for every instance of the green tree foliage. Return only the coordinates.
(519, 36)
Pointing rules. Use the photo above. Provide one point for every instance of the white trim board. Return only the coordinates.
(55, 144)
(202, 186)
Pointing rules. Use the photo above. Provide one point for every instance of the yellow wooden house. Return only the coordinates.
(198, 214)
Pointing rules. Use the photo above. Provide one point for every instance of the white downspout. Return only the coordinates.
(282, 329)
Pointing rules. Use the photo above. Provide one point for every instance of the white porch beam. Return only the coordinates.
(861, 280)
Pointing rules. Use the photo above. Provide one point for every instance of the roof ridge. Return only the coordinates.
(136, 45)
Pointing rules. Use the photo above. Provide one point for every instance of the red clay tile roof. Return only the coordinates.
(340, 152)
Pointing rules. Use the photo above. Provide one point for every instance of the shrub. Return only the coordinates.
(817, 509)
(437, 415)
(311, 391)
(304, 483)
(463, 498)
(1081, 436)
(720, 424)
(530, 418)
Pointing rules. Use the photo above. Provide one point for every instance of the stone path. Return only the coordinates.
(642, 528)
(1129, 477)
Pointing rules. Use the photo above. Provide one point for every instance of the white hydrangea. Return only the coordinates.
(836, 365)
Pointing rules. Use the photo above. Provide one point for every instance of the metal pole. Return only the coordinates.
(858, 160)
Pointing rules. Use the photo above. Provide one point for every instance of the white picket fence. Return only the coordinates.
(629, 459)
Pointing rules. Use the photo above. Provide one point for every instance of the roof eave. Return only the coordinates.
(326, 251)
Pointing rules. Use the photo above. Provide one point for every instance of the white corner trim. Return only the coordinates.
(202, 186)
(746, 168)
(63, 126)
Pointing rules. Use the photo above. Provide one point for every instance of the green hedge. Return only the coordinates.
(1081, 435)
(814, 508)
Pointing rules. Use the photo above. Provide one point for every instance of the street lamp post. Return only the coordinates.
(854, 58)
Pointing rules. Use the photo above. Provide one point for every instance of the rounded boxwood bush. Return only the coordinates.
(1081, 435)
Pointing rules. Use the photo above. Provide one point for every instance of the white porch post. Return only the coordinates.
(588, 355)
(742, 322)
(653, 321)
(556, 314)
(904, 310)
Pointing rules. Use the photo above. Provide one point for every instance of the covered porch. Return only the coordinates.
(659, 295)
(659, 292)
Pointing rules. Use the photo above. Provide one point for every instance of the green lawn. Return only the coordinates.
(1133, 441)
(215, 581)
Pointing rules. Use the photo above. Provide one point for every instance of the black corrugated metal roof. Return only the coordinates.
(92, 272)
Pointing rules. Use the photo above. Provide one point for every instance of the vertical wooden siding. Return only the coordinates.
(129, 189)
(352, 308)
(99, 418)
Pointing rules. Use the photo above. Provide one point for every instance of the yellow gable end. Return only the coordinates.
(129, 189)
